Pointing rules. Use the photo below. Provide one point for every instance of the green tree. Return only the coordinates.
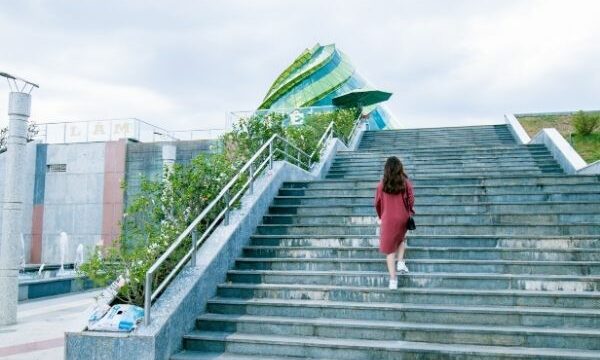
(585, 123)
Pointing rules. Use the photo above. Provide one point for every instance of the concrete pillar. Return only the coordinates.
(169, 155)
(19, 106)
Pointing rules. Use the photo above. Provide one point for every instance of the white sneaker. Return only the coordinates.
(393, 284)
(401, 267)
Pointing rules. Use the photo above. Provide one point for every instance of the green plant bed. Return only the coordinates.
(588, 146)
(164, 209)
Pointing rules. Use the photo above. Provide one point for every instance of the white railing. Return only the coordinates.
(116, 129)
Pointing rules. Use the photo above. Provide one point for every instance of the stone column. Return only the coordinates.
(19, 106)
(169, 155)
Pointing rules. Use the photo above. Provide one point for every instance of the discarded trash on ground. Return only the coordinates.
(119, 317)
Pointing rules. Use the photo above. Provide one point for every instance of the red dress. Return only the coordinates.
(394, 216)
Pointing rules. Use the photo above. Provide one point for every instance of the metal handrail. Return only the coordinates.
(224, 194)
(352, 134)
(326, 134)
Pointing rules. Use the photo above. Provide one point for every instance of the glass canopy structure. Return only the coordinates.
(315, 78)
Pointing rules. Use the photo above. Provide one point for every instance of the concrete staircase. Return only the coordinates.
(505, 262)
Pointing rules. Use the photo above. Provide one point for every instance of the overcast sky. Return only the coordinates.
(185, 64)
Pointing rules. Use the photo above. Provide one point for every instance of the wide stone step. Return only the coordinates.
(513, 180)
(370, 175)
(491, 171)
(366, 189)
(436, 132)
(440, 156)
(532, 267)
(416, 252)
(427, 144)
(409, 161)
(433, 229)
(456, 136)
(434, 168)
(420, 296)
(444, 314)
(448, 152)
(544, 282)
(438, 146)
(443, 129)
(438, 138)
(436, 219)
(353, 349)
(461, 136)
(479, 208)
(443, 165)
(451, 156)
(442, 199)
(449, 161)
(563, 243)
(446, 165)
(586, 339)
(498, 128)
(477, 146)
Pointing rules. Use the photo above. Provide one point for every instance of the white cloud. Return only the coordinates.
(187, 65)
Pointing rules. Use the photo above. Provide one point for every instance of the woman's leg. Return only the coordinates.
(400, 251)
(401, 266)
(391, 265)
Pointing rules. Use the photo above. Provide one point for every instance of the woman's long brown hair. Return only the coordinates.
(394, 176)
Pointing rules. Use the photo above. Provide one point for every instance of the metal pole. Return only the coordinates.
(194, 241)
(271, 155)
(147, 298)
(226, 220)
(19, 106)
(251, 174)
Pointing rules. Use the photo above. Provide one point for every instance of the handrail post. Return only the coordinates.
(226, 219)
(147, 298)
(251, 174)
(194, 242)
(271, 155)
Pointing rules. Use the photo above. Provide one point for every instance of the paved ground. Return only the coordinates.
(39, 333)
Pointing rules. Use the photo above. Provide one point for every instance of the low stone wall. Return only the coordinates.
(173, 314)
(560, 148)
(34, 289)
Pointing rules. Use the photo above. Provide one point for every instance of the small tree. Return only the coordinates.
(585, 123)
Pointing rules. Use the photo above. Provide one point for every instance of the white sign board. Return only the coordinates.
(100, 130)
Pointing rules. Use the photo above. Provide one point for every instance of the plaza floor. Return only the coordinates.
(39, 332)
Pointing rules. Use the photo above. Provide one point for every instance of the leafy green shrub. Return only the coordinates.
(163, 209)
(585, 123)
